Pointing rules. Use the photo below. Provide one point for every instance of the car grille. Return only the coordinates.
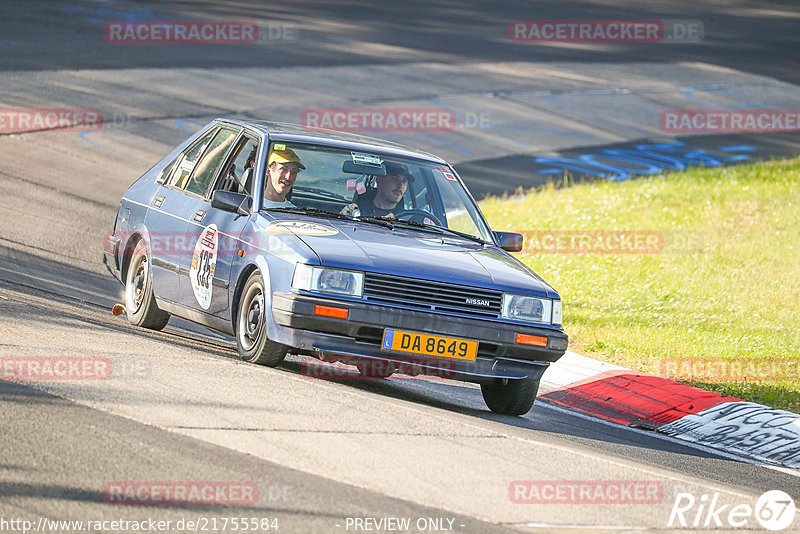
(428, 295)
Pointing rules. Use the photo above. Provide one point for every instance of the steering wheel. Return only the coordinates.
(419, 216)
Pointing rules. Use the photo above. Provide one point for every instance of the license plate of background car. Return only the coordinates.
(428, 345)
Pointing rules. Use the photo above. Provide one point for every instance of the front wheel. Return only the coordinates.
(510, 397)
(139, 301)
(251, 326)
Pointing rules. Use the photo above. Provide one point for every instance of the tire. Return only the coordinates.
(140, 305)
(375, 368)
(251, 328)
(510, 397)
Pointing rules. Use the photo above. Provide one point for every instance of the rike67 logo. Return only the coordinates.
(774, 510)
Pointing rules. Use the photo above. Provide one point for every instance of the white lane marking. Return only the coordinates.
(665, 437)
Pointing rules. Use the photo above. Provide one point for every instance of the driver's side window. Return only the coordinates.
(238, 173)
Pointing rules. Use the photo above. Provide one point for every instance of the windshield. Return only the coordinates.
(372, 185)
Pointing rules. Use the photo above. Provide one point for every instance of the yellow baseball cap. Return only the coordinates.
(286, 155)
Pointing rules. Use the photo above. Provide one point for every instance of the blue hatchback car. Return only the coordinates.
(337, 246)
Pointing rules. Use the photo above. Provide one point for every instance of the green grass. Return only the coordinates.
(730, 301)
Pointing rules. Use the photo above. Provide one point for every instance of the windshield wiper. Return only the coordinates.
(380, 221)
(311, 211)
(440, 230)
(461, 234)
(386, 222)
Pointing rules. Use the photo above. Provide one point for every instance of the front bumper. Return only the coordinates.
(360, 335)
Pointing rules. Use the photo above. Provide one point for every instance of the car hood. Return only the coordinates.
(410, 253)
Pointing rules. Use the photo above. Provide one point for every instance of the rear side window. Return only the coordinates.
(207, 167)
(188, 160)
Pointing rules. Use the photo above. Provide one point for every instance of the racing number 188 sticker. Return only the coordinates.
(204, 262)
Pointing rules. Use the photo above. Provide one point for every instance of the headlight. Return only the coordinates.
(531, 309)
(325, 280)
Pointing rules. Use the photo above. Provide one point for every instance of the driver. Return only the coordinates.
(384, 200)
(282, 168)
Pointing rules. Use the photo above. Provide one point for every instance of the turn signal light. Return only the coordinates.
(525, 339)
(330, 311)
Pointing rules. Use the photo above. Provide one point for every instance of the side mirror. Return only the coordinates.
(510, 241)
(229, 201)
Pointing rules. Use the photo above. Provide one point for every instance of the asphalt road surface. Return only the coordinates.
(333, 455)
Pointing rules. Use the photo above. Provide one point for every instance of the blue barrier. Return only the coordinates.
(621, 164)
(102, 14)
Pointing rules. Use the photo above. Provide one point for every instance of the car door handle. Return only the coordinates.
(199, 214)
(158, 201)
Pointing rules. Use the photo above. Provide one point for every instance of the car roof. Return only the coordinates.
(294, 132)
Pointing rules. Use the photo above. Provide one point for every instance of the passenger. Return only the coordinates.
(282, 168)
(384, 200)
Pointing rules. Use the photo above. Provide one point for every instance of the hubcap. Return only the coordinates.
(137, 286)
(251, 318)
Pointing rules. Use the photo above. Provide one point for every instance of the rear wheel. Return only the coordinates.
(251, 327)
(139, 301)
(510, 397)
